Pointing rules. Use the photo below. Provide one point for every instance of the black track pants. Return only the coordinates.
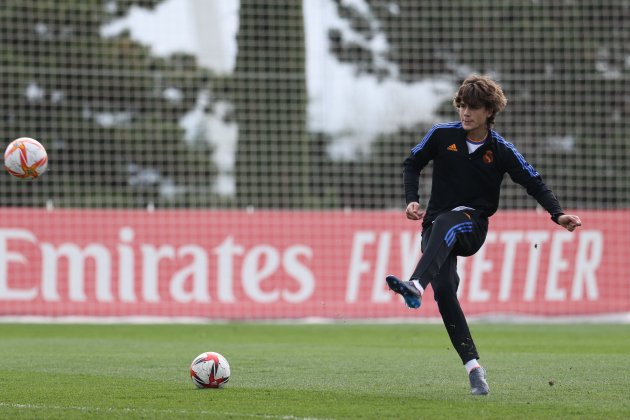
(452, 233)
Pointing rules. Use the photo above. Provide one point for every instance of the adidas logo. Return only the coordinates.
(452, 148)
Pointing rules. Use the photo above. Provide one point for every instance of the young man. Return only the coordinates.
(469, 162)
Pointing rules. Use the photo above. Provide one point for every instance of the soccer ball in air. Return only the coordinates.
(209, 370)
(25, 158)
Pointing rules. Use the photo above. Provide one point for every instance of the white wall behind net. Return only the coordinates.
(282, 104)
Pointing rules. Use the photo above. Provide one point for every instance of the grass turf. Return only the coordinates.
(312, 371)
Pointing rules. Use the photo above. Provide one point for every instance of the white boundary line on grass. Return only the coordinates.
(151, 411)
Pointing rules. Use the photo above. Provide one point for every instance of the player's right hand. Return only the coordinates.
(413, 211)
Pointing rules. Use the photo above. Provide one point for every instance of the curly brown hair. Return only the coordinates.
(481, 92)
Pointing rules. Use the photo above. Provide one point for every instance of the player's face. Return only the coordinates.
(474, 120)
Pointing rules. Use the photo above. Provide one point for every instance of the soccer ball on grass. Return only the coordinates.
(209, 370)
(25, 158)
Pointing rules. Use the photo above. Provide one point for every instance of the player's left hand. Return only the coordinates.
(569, 222)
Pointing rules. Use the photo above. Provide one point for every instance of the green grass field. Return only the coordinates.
(339, 371)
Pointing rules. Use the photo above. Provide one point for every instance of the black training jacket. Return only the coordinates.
(472, 180)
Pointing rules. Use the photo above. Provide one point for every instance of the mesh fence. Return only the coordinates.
(303, 109)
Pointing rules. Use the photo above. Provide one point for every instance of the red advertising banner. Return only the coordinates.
(297, 264)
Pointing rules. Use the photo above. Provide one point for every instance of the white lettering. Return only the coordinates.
(151, 256)
(76, 271)
(535, 240)
(586, 264)
(480, 265)
(225, 268)
(300, 272)
(557, 264)
(252, 276)
(410, 252)
(7, 257)
(162, 272)
(197, 271)
(358, 265)
(379, 293)
(126, 266)
(510, 239)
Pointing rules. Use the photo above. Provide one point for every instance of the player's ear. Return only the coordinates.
(489, 116)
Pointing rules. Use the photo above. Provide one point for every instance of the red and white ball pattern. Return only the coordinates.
(25, 158)
(209, 370)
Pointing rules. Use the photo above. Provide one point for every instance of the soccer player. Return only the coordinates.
(469, 162)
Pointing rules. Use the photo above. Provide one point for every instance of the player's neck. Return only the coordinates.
(477, 135)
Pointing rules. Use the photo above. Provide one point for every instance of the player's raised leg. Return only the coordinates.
(409, 292)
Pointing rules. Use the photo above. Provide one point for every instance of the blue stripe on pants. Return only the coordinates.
(460, 228)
